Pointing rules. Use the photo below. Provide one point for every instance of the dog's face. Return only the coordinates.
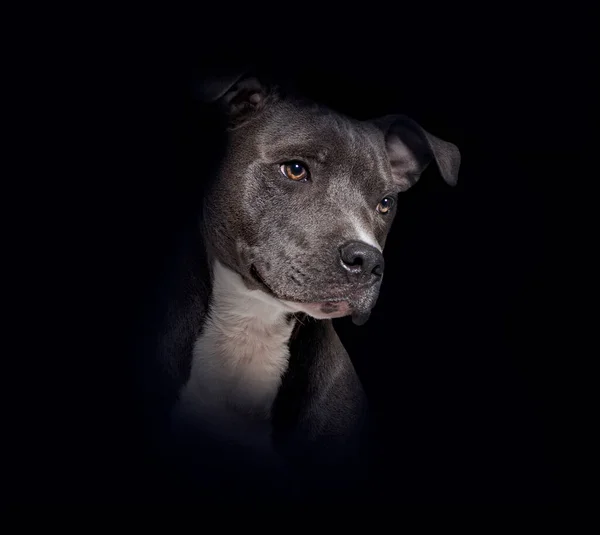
(305, 199)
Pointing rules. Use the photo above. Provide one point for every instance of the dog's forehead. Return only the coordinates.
(325, 134)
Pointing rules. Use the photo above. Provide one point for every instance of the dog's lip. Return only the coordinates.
(322, 300)
(256, 275)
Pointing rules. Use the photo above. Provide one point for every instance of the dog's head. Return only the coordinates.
(305, 197)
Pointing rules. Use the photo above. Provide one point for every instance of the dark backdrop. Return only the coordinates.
(466, 359)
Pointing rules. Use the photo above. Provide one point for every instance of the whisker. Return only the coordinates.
(298, 319)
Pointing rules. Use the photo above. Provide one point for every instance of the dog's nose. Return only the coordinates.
(361, 260)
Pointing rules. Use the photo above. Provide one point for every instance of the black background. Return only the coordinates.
(467, 359)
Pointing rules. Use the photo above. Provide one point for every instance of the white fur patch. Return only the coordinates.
(239, 358)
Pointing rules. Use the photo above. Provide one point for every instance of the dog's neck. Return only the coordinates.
(241, 355)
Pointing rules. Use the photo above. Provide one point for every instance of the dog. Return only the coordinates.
(292, 231)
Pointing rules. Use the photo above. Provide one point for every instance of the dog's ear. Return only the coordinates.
(238, 93)
(411, 149)
(211, 87)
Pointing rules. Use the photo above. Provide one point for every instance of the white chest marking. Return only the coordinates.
(242, 353)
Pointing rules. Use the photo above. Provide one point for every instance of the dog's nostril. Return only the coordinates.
(351, 259)
(356, 261)
(378, 271)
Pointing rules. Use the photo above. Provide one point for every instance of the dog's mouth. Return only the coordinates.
(265, 286)
(256, 276)
(332, 307)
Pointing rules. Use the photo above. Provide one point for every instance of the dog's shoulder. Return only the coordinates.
(321, 409)
(179, 312)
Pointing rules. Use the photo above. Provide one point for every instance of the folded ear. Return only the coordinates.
(411, 149)
(211, 87)
(238, 93)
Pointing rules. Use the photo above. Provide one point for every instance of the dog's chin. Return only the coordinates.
(331, 310)
(321, 311)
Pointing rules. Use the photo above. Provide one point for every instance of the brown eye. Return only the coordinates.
(385, 205)
(294, 171)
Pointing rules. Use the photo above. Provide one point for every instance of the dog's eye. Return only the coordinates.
(385, 205)
(295, 171)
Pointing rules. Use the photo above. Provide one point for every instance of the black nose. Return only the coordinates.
(362, 261)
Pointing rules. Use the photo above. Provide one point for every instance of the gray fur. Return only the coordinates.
(291, 232)
(282, 240)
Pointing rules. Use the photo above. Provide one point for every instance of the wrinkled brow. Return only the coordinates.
(311, 151)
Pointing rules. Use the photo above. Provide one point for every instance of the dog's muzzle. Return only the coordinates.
(362, 266)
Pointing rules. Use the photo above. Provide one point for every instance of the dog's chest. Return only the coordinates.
(240, 357)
